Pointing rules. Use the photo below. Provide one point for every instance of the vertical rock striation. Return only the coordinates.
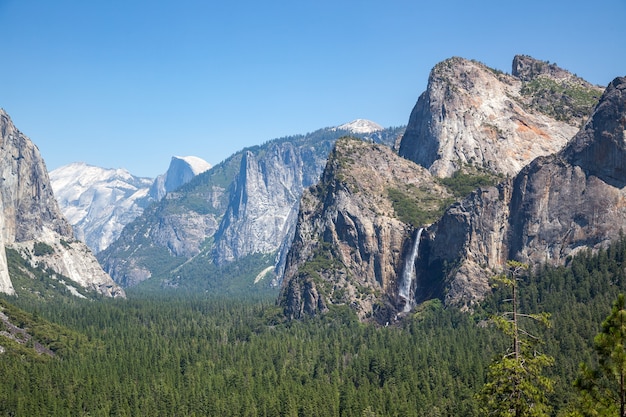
(351, 238)
(473, 115)
(30, 215)
(556, 206)
(246, 205)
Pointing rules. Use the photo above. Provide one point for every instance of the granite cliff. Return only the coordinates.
(472, 115)
(556, 206)
(99, 202)
(31, 222)
(354, 231)
(381, 252)
(245, 206)
(182, 169)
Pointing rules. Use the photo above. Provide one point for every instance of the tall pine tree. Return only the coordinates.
(515, 384)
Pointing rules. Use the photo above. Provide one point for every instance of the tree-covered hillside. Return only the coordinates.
(184, 355)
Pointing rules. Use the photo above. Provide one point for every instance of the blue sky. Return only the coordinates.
(131, 83)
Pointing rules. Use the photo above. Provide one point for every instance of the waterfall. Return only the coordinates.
(408, 275)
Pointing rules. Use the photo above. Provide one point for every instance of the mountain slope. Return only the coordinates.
(473, 115)
(31, 221)
(555, 207)
(354, 231)
(99, 202)
(338, 219)
(244, 206)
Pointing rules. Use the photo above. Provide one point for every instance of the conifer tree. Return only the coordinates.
(515, 384)
(604, 389)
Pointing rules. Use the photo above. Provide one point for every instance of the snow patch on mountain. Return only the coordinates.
(99, 202)
(360, 126)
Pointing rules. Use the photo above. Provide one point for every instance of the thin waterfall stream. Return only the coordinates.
(409, 273)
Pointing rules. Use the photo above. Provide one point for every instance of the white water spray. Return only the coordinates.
(408, 275)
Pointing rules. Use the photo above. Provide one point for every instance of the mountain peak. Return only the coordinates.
(99, 202)
(360, 126)
(527, 68)
(30, 219)
(602, 151)
(197, 165)
(181, 170)
(473, 115)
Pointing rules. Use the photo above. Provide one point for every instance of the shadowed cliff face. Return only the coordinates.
(556, 206)
(353, 242)
(30, 214)
(473, 115)
(245, 206)
(351, 238)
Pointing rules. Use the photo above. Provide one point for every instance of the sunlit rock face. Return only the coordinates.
(350, 243)
(99, 202)
(246, 205)
(556, 206)
(473, 115)
(30, 215)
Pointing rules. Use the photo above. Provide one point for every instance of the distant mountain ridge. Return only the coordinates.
(181, 170)
(245, 206)
(360, 126)
(99, 202)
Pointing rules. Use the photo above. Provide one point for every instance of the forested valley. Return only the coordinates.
(181, 354)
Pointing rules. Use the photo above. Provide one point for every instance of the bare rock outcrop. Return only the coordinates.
(99, 202)
(473, 115)
(264, 204)
(555, 207)
(354, 244)
(243, 207)
(351, 239)
(30, 215)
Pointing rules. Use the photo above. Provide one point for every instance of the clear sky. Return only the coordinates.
(129, 83)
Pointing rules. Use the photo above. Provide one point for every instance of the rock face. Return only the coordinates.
(473, 115)
(182, 169)
(99, 202)
(264, 203)
(361, 126)
(244, 206)
(351, 238)
(30, 215)
(556, 206)
(363, 237)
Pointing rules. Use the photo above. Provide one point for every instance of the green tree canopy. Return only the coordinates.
(603, 388)
(515, 384)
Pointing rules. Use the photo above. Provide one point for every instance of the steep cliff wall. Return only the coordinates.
(245, 206)
(473, 115)
(556, 206)
(355, 243)
(353, 232)
(30, 214)
(265, 200)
